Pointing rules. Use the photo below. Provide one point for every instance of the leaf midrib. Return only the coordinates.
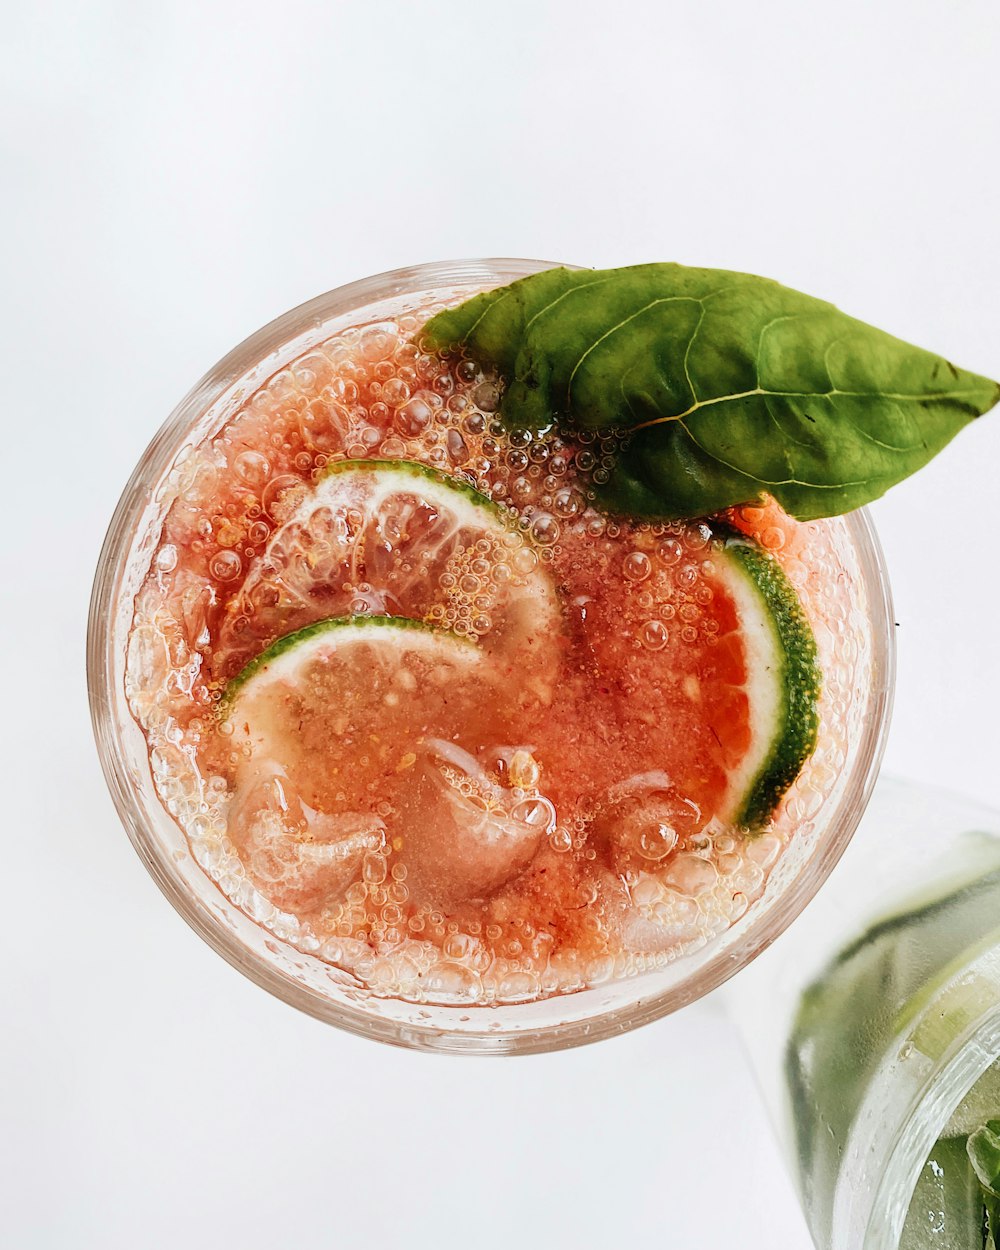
(917, 397)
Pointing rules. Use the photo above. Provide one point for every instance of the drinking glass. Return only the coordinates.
(873, 1026)
(298, 976)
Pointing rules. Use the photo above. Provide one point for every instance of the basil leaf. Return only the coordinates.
(947, 1209)
(724, 386)
(983, 1149)
(992, 1230)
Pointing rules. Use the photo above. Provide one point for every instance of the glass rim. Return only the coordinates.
(256, 356)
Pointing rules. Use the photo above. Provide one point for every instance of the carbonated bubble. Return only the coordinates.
(545, 529)
(225, 566)
(637, 566)
(414, 417)
(654, 635)
(536, 813)
(670, 551)
(525, 561)
(252, 468)
(395, 392)
(568, 502)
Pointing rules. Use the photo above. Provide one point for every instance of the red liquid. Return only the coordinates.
(601, 743)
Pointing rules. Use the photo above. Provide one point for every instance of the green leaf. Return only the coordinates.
(724, 386)
(983, 1148)
(992, 1206)
(947, 1210)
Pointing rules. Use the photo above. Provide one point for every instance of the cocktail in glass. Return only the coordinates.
(427, 744)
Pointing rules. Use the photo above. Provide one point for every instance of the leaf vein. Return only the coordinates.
(687, 352)
(760, 339)
(583, 286)
(765, 481)
(672, 299)
(489, 305)
(892, 395)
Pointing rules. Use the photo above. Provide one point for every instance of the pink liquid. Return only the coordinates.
(606, 742)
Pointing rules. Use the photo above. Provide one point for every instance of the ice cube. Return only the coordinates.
(298, 858)
(643, 820)
(464, 835)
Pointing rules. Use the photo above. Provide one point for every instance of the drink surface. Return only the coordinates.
(424, 712)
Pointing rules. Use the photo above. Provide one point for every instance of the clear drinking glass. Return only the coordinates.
(874, 1026)
(302, 979)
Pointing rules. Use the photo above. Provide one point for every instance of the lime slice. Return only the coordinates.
(782, 684)
(395, 538)
(287, 660)
(714, 680)
(364, 733)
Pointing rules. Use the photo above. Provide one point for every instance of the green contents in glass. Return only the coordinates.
(876, 991)
(955, 1203)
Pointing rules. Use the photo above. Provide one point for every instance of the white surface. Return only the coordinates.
(177, 174)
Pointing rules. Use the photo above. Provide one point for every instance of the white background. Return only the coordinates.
(173, 176)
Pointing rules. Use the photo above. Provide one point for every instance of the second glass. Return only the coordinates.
(874, 1031)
